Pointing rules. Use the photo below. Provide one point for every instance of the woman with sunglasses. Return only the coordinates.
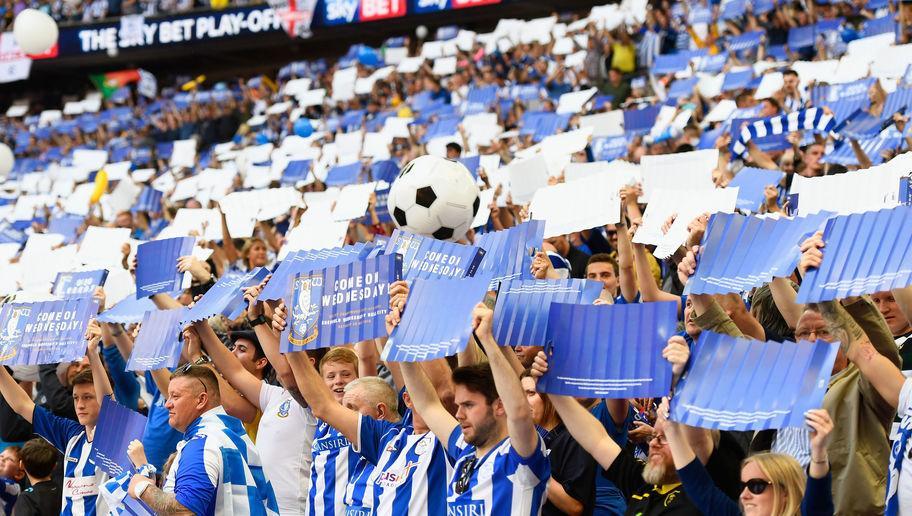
(772, 484)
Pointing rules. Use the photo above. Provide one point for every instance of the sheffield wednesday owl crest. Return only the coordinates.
(12, 331)
(305, 311)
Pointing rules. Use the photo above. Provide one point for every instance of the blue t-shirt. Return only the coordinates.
(159, 439)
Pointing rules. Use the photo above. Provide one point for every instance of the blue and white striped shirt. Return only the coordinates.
(80, 476)
(217, 470)
(502, 482)
(407, 475)
(329, 472)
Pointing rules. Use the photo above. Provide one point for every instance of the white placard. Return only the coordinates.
(103, 247)
(203, 223)
(352, 202)
(444, 66)
(855, 191)
(574, 101)
(684, 170)
(123, 197)
(17, 110)
(183, 153)
(90, 159)
(315, 233)
(527, 176)
(686, 204)
(605, 124)
(583, 204)
(410, 65)
(485, 197)
(311, 98)
(721, 111)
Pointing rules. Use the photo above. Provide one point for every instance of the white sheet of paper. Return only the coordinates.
(687, 204)
(73, 108)
(604, 124)
(349, 144)
(444, 66)
(721, 111)
(486, 197)
(395, 56)
(315, 233)
(49, 116)
(410, 64)
(567, 143)
(278, 108)
(78, 202)
(397, 127)
(103, 247)
(870, 46)
(118, 171)
(376, 146)
(770, 83)
(527, 176)
(892, 61)
(205, 224)
(295, 86)
(352, 202)
(562, 47)
(343, 83)
(17, 110)
(432, 49)
(311, 97)
(92, 103)
(685, 170)
(855, 191)
(575, 60)
(574, 101)
(465, 40)
(90, 159)
(184, 153)
(575, 206)
(123, 197)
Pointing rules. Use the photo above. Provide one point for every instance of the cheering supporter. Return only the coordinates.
(771, 483)
(10, 475)
(81, 477)
(862, 410)
(38, 459)
(499, 459)
(217, 469)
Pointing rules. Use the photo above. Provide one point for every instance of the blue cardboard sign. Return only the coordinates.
(427, 257)
(69, 285)
(45, 332)
(117, 426)
(156, 265)
(158, 344)
(523, 306)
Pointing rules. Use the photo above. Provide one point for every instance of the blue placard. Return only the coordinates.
(521, 312)
(117, 426)
(340, 305)
(156, 265)
(640, 121)
(508, 253)
(854, 263)
(128, 310)
(742, 384)
(46, 332)
(66, 225)
(608, 148)
(149, 200)
(341, 175)
(471, 163)
(226, 297)
(297, 262)
(612, 351)
(158, 344)
(69, 285)
(296, 170)
(425, 257)
(740, 253)
(827, 94)
(751, 183)
(422, 334)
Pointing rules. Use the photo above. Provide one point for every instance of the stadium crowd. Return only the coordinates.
(79, 11)
(240, 428)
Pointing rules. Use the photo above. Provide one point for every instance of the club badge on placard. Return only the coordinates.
(12, 332)
(305, 313)
(407, 246)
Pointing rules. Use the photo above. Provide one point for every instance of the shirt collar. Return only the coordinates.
(209, 415)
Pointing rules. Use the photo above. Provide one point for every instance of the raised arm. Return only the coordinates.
(649, 290)
(231, 252)
(234, 403)
(165, 302)
(784, 296)
(228, 364)
(626, 272)
(321, 401)
(17, 398)
(520, 424)
(99, 375)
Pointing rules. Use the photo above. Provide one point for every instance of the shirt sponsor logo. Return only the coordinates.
(471, 508)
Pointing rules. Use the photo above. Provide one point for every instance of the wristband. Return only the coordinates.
(824, 461)
(256, 321)
(141, 488)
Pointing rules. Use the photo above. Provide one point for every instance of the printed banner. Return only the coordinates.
(117, 426)
(298, 262)
(740, 252)
(226, 297)
(744, 384)
(70, 285)
(521, 313)
(865, 253)
(46, 332)
(425, 257)
(612, 351)
(340, 305)
(509, 252)
(156, 265)
(423, 334)
(158, 344)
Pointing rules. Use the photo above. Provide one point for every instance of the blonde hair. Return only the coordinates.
(787, 478)
(340, 355)
(375, 390)
(248, 245)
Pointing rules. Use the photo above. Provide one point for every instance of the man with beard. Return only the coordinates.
(652, 488)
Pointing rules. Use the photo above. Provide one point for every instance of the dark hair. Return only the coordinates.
(790, 72)
(477, 378)
(764, 309)
(776, 104)
(38, 457)
(203, 374)
(84, 377)
(454, 146)
(604, 258)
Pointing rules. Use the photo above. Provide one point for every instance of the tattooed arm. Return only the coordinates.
(162, 502)
(878, 370)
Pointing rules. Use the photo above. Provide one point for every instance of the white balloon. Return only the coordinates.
(6, 160)
(421, 31)
(35, 31)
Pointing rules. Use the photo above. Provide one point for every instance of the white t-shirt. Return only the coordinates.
(284, 440)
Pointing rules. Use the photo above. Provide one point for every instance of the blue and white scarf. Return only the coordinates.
(811, 119)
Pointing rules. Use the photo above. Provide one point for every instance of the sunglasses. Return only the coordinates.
(465, 475)
(756, 485)
(184, 369)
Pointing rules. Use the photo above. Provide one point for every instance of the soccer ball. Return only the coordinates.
(434, 196)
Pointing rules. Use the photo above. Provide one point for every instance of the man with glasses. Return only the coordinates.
(500, 460)
(216, 470)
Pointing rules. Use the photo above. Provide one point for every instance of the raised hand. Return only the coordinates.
(688, 265)
(540, 365)
(398, 292)
(137, 453)
(811, 254)
(677, 353)
(482, 320)
(93, 335)
(278, 317)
